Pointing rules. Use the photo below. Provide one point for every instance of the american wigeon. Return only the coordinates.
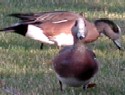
(56, 26)
(75, 65)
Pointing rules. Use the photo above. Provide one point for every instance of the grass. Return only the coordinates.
(29, 72)
(26, 70)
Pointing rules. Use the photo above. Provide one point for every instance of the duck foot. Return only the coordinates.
(91, 85)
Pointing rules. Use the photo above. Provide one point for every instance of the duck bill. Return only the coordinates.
(118, 44)
(80, 36)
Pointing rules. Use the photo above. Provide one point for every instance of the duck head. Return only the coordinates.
(79, 29)
(110, 29)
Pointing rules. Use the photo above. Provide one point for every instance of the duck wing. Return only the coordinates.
(55, 16)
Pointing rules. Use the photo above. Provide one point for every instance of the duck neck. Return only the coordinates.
(99, 27)
(107, 30)
(78, 44)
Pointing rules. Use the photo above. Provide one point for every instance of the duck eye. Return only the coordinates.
(76, 23)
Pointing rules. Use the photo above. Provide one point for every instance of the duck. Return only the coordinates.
(76, 65)
(53, 27)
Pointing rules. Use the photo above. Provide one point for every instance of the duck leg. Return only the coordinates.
(60, 83)
(41, 46)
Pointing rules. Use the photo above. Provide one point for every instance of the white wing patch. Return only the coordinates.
(64, 39)
(60, 21)
(36, 33)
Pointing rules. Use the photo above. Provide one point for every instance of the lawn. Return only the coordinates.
(27, 70)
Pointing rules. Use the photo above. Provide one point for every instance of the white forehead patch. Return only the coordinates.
(81, 27)
(119, 29)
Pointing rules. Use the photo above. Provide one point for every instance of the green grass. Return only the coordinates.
(27, 70)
